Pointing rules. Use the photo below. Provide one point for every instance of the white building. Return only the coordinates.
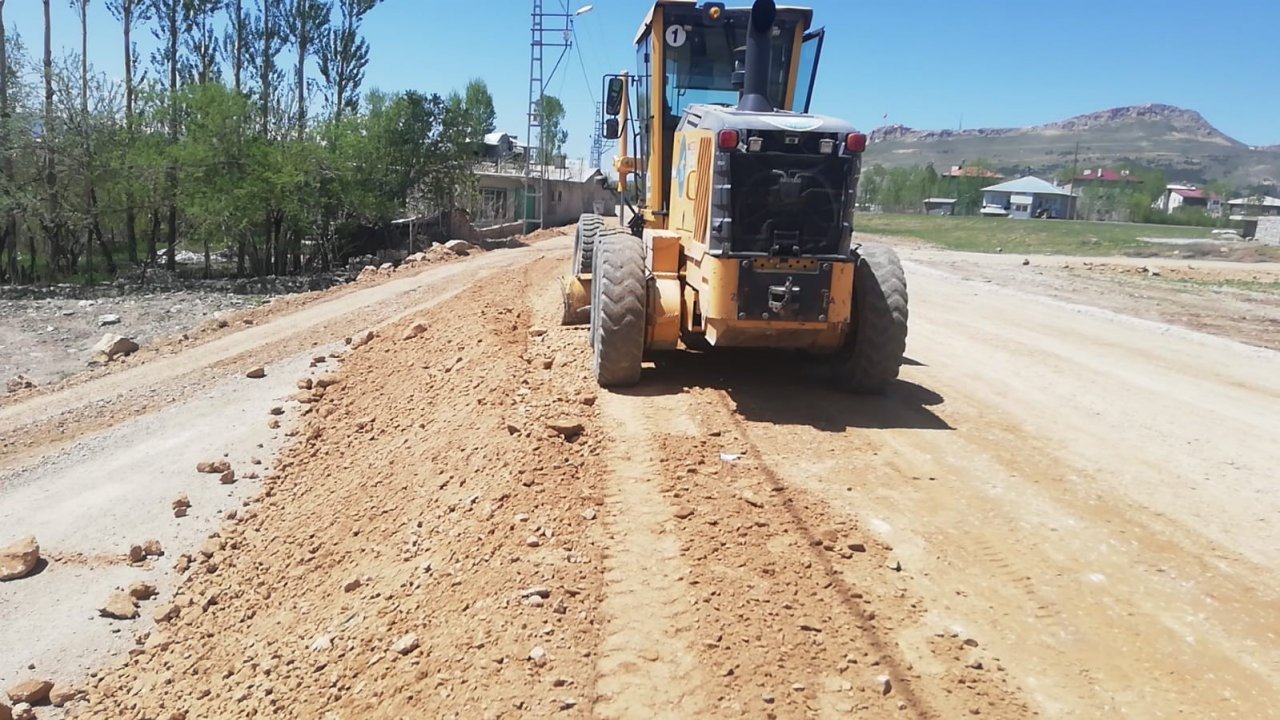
(1027, 197)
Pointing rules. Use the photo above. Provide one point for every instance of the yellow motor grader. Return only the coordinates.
(738, 206)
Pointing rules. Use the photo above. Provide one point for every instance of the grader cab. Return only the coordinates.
(737, 209)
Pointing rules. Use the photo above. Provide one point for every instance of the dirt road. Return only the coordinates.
(1061, 511)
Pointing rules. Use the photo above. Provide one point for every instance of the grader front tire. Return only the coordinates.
(619, 290)
(873, 352)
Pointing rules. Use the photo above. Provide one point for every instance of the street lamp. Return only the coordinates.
(583, 10)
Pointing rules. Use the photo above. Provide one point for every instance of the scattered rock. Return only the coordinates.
(18, 383)
(256, 373)
(810, 626)
(120, 606)
(458, 247)
(894, 565)
(6, 712)
(684, 512)
(304, 384)
(325, 381)
(567, 428)
(114, 346)
(152, 548)
(351, 585)
(1026, 261)
(32, 692)
(19, 559)
(884, 684)
(137, 554)
(414, 331)
(105, 320)
(750, 498)
(970, 642)
(180, 506)
(320, 643)
(23, 711)
(273, 424)
(533, 541)
(541, 592)
(228, 477)
(142, 591)
(537, 331)
(538, 656)
(406, 644)
(277, 410)
(216, 467)
(167, 613)
(857, 547)
(589, 514)
(61, 694)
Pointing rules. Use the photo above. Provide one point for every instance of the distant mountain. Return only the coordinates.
(1176, 140)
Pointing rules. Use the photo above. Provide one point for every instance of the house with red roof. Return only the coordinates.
(1103, 178)
(1189, 196)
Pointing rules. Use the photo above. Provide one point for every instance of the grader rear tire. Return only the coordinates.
(872, 354)
(589, 227)
(619, 301)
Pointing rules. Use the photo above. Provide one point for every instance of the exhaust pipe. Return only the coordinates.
(755, 84)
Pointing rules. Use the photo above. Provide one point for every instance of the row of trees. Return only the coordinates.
(903, 189)
(217, 143)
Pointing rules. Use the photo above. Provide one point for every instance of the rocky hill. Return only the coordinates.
(1177, 140)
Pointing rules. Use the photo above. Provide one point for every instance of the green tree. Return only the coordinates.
(479, 103)
(553, 136)
(306, 22)
(343, 55)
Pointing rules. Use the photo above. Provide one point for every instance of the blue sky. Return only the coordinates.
(925, 63)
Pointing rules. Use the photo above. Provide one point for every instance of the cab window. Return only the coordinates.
(700, 62)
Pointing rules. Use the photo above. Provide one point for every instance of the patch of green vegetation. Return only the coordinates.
(1258, 286)
(1045, 237)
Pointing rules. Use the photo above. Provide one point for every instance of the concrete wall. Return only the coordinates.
(1268, 231)
(564, 201)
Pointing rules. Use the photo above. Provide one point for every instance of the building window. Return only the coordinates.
(493, 204)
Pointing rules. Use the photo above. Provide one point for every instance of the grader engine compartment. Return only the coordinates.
(784, 194)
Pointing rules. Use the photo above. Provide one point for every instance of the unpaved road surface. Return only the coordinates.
(1061, 510)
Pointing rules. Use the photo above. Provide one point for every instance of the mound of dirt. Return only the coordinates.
(427, 497)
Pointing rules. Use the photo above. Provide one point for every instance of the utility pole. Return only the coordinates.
(558, 35)
(597, 137)
(1075, 172)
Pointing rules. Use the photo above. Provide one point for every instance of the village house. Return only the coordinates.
(571, 188)
(1100, 193)
(1255, 206)
(1027, 197)
(1189, 196)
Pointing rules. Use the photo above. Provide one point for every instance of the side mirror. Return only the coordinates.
(611, 129)
(613, 102)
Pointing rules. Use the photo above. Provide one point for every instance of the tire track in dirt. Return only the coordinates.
(647, 668)
(828, 610)
(1098, 606)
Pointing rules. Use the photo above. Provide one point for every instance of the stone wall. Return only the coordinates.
(159, 282)
(1268, 232)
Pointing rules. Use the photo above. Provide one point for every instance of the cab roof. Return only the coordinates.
(806, 13)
